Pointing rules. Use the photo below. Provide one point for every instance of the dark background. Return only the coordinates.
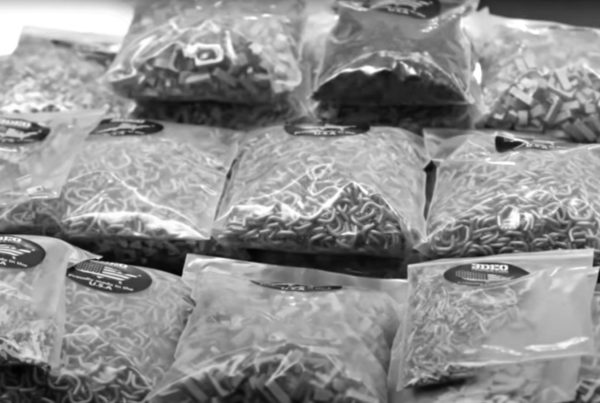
(576, 12)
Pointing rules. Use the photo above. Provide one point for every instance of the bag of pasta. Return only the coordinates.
(235, 51)
(144, 192)
(254, 338)
(397, 52)
(540, 77)
(37, 151)
(122, 328)
(45, 75)
(325, 189)
(469, 314)
(500, 192)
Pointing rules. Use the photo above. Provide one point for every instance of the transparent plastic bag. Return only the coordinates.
(32, 313)
(230, 51)
(390, 53)
(258, 340)
(145, 187)
(588, 390)
(43, 75)
(498, 192)
(325, 189)
(37, 151)
(540, 77)
(469, 314)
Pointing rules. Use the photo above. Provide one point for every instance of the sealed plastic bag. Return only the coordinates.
(254, 338)
(589, 375)
(325, 188)
(48, 76)
(230, 51)
(502, 193)
(540, 77)
(468, 314)
(37, 151)
(141, 188)
(392, 52)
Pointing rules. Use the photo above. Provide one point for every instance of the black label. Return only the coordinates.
(128, 127)
(421, 9)
(324, 130)
(19, 253)
(110, 277)
(20, 131)
(483, 273)
(298, 287)
(508, 142)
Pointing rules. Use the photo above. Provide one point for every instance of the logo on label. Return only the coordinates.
(127, 127)
(421, 9)
(298, 287)
(325, 130)
(483, 273)
(19, 253)
(110, 277)
(19, 131)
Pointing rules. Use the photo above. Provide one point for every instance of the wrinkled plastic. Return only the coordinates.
(229, 51)
(588, 390)
(540, 77)
(538, 382)
(528, 198)
(32, 310)
(43, 75)
(247, 339)
(358, 193)
(390, 53)
(453, 328)
(146, 194)
(37, 167)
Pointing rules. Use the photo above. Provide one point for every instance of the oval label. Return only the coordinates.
(324, 130)
(421, 9)
(127, 127)
(19, 253)
(110, 277)
(483, 273)
(298, 287)
(20, 131)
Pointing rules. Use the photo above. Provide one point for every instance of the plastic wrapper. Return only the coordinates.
(325, 189)
(49, 76)
(257, 339)
(468, 314)
(142, 190)
(390, 53)
(498, 192)
(589, 374)
(217, 114)
(540, 77)
(37, 152)
(229, 51)
(32, 271)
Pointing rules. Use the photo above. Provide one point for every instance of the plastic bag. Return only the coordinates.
(257, 339)
(332, 189)
(230, 51)
(37, 151)
(48, 76)
(32, 312)
(589, 375)
(393, 52)
(144, 188)
(538, 195)
(540, 77)
(468, 314)
(217, 114)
